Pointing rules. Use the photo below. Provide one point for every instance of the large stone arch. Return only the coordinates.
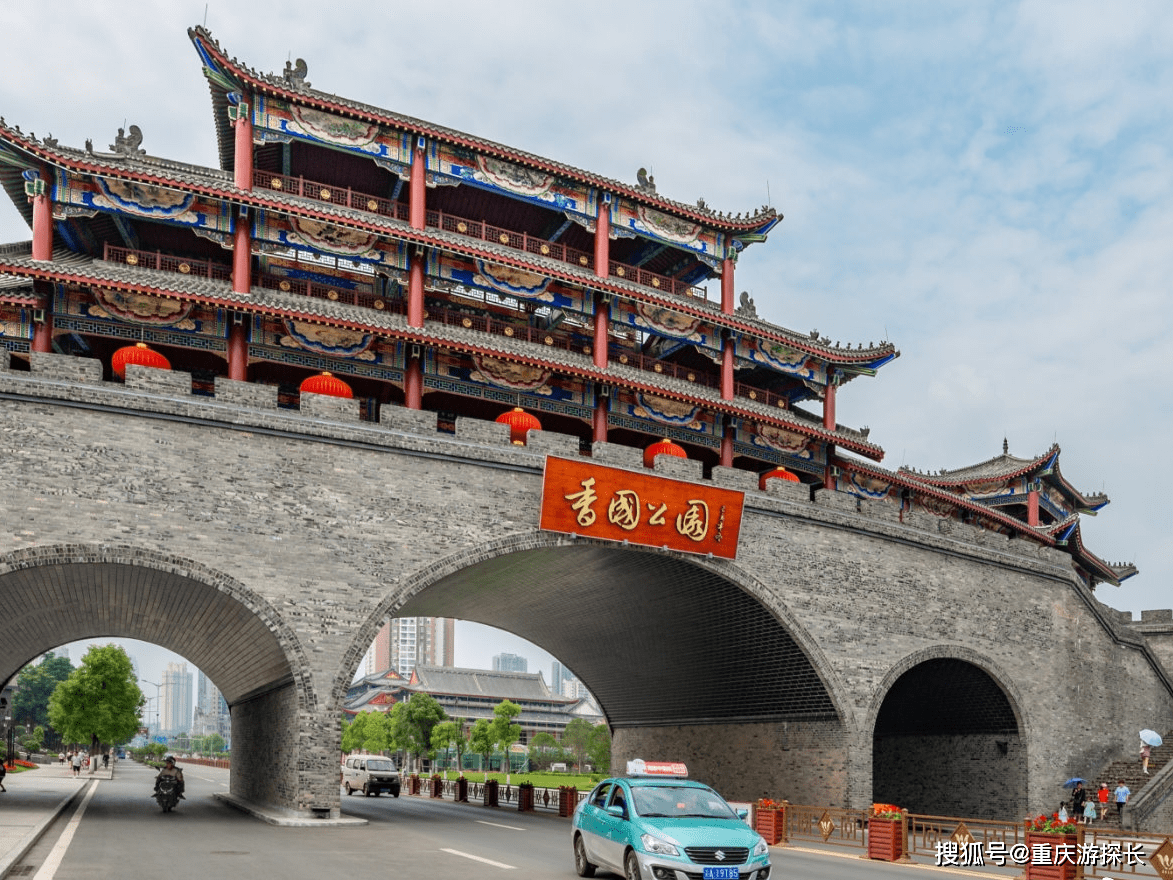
(62, 593)
(682, 653)
(947, 733)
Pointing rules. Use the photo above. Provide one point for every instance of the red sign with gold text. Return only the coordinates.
(595, 501)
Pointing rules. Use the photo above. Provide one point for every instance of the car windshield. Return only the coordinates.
(379, 765)
(677, 801)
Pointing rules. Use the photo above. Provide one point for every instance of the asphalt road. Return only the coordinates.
(122, 834)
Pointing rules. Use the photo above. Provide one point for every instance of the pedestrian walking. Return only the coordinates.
(1146, 752)
(3, 773)
(1089, 812)
(1078, 797)
(1102, 796)
(75, 762)
(1122, 794)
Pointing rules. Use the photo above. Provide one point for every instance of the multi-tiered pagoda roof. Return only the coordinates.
(429, 268)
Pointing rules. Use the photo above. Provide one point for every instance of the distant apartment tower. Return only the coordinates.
(211, 713)
(407, 642)
(175, 699)
(563, 682)
(509, 663)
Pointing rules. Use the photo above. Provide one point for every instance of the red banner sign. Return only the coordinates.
(616, 505)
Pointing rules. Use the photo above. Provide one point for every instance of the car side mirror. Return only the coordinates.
(741, 814)
(616, 811)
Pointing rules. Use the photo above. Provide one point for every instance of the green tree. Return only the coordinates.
(30, 705)
(31, 742)
(576, 738)
(100, 701)
(504, 732)
(451, 735)
(480, 739)
(599, 748)
(544, 750)
(214, 744)
(368, 732)
(414, 723)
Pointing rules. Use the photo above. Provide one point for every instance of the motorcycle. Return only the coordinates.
(167, 793)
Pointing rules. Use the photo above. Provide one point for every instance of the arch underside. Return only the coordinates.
(658, 640)
(50, 605)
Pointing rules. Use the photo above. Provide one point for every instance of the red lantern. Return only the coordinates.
(662, 447)
(326, 383)
(137, 354)
(520, 423)
(778, 473)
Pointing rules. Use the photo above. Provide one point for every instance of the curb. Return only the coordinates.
(27, 842)
(273, 817)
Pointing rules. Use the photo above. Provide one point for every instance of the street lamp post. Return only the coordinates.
(157, 687)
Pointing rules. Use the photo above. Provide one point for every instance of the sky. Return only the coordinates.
(989, 186)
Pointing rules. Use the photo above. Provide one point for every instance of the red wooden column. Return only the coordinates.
(727, 286)
(829, 405)
(417, 206)
(602, 270)
(1032, 508)
(599, 420)
(242, 174)
(242, 257)
(727, 346)
(829, 479)
(42, 227)
(413, 383)
(238, 349)
(38, 193)
(727, 446)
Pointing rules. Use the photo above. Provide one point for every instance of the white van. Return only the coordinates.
(370, 774)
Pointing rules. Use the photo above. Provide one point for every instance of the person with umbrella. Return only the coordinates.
(1148, 740)
(1078, 797)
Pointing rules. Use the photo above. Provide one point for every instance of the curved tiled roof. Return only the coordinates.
(757, 223)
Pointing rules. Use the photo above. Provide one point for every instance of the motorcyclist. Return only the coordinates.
(169, 769)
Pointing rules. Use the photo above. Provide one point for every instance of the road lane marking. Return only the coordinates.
(457, 852)
(53, 861)
(499, 825)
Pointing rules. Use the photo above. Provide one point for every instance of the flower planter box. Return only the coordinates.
(885, 839)
(770, 823)
(462, 790)
(567, 800)
(1065, 871)
(525, 798)
(491, 793)
(437, 787)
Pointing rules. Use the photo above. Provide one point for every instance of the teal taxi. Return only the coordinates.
(656, 823)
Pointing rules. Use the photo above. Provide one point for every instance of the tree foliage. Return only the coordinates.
(413, 721)
(30, 705)
(451, 735)
(544, 750)
(100, 701)
(368, 732)
(481, 741)
(576, 738)
(599, 748)
(504, 732)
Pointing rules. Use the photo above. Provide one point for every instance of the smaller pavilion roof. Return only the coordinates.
(482, 683)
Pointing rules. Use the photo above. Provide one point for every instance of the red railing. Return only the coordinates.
(769, 398)
(335, 195)
(644, 278)
(508, 238)
(167, 263)
(360, 297)
(664, 368)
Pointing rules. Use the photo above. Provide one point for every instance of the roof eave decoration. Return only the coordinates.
(747, 227)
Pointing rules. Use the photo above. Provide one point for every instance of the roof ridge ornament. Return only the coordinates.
(647, 183)
(128, 144)
(295, 74)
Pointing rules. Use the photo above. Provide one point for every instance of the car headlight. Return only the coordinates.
(657, 846)
(761, 848)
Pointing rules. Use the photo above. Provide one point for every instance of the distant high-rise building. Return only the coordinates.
(407, 642)
(211, 712)
(563, 682)
(509, 663)
(175, 699)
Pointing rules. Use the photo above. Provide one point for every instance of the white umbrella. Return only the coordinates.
(1150, 737)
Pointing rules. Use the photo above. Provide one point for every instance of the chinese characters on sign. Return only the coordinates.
(616, 505)
(996, 852)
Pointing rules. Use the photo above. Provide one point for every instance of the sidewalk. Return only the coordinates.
(33, 800)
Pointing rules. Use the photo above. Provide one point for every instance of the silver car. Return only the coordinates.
(370, 774)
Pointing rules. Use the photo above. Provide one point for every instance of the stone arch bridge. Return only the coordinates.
(842, 656)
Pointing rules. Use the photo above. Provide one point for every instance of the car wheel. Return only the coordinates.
(366, 790)
(631, 866)
(349, 790)
(582, 867)
(395, 793)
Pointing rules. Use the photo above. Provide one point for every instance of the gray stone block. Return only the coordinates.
(326, 406)
(1158, 615)
(789, 490)
(616, 455)
(408, 421)
(679, 468)
(246, 393)
(735, 478)
(5, 358)
(154, 381)
(844, 501)
(553, 443)
(65, 367)
(481, 431)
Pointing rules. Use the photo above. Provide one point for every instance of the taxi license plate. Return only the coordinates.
(711, 873)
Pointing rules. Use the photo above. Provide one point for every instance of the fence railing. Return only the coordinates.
(546, 799)
(166, 262)
(335, 195)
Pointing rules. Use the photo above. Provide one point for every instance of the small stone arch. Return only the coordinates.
(946, 734)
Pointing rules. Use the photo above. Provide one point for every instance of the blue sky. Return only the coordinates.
(989, 186)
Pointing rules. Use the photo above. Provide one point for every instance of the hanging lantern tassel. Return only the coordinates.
(137, 354)
(662, 447)
(778, 473)
(326, 383)
(520, 423)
